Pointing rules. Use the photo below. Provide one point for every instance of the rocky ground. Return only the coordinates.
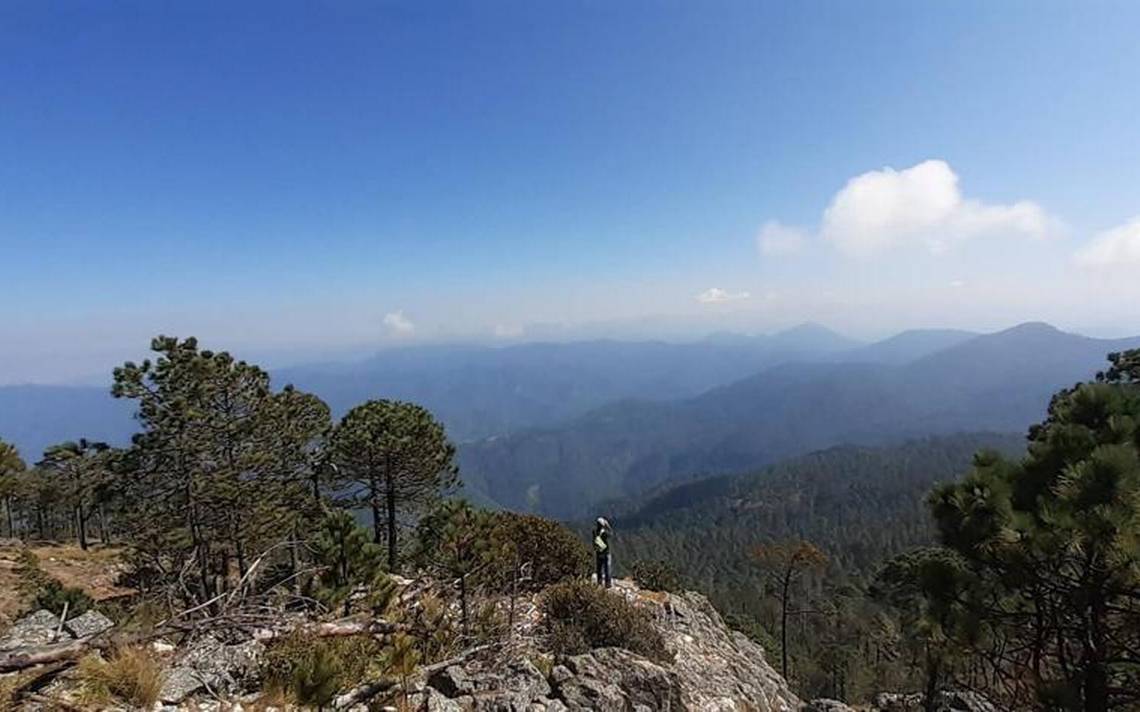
(713, 669)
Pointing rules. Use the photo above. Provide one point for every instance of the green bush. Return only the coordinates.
(313, 669)
(580, 617)
(551, 552)
(656, 575)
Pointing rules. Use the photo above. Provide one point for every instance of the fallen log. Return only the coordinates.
(22, 658)
(332, 629)
(368, 690)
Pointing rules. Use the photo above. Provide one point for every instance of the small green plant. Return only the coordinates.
(580, 617)
(316, 678)
(47, 592)
(349, 561)
(130, 675)
(656, 575)
(307, 668)
(402, 657)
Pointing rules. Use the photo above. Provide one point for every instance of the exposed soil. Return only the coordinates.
(95, 571)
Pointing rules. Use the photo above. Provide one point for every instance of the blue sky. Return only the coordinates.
(291, 179)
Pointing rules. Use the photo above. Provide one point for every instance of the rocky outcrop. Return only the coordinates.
(713, 669)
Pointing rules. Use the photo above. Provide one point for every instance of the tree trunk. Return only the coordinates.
(374, 500)
(784, 623)
(463, 605)
(390, 497)
(11, 521)
(933, 670)
(104, 535)
(1096, 672)
(81, 527)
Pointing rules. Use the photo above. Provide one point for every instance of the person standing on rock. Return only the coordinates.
(602, 535)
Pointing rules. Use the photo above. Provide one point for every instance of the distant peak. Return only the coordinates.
(1032, 327)
(808, 327)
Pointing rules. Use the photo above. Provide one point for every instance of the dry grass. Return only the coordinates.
(131, 675)
(95, 571)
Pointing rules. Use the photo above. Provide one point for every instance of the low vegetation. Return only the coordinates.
(130, 675)
(655, 575)
(581, 616)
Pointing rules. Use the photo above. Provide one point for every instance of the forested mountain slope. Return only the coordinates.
(997, 382)
(860, 505)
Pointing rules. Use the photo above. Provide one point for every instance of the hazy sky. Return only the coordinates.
(292, 178)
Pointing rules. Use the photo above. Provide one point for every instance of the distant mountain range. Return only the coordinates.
(559, 427)
(998, 382)
(477, 391)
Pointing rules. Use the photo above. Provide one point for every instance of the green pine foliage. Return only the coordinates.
(348, 561)
(394, 459)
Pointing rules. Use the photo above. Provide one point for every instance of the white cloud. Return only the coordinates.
(508, 331)
(887, 208)
(1112, 248)
(776, 239)
(398, 324)
(957, 283)
(716, 295)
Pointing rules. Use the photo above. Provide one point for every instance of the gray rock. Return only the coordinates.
(210, 664)
(514, 690)
(90, 623)
(432, 700)
(35, 629)
(182, 681)
(612, 678)
(947, 701)
(825, 705)
(452, 681)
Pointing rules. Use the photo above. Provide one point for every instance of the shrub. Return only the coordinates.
(131, 675)
(581, 616)
(313, 669)
(46, 591)
(552, 552)
(656, 575)
(317, 677)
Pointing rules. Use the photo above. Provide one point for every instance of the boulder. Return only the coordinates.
(38, 628)
(90, 623)
(515, 686)
(616, 679)
(210, 664)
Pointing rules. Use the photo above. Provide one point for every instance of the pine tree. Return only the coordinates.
(398, 458)
(11, 468)
(82, 468)
(221, 470)
(1056, 537)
